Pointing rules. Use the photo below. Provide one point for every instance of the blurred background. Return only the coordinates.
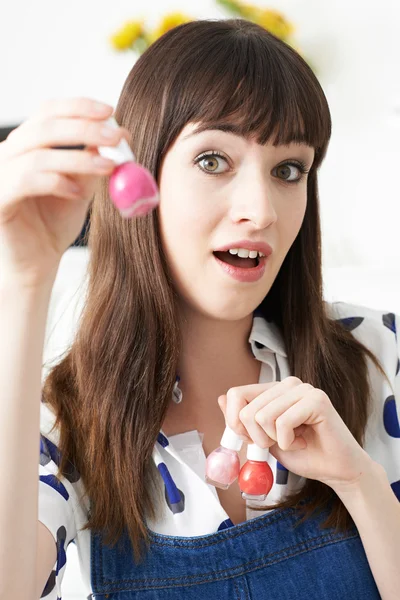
(50, 49)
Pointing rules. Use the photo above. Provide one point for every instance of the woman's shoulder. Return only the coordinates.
(361, 319)
(375, 328)
(371, 316)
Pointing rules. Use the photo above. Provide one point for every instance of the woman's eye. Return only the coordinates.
(284, 172)
(210, 162)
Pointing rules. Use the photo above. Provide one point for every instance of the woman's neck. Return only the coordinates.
(216, 356)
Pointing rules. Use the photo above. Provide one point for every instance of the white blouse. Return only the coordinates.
(63, 510)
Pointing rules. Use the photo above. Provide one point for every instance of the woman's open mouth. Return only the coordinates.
(236, 261)
(241, 269)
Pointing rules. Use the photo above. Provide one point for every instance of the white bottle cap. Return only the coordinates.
(231, 440)
(254, 452)
(119, 154)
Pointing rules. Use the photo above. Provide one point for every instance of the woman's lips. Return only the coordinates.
(244, 275)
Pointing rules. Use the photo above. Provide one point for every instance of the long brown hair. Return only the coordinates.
(111, 390)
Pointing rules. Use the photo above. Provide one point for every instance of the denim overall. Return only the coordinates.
(264, 558)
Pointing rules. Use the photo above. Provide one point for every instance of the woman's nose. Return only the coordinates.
(254, 203)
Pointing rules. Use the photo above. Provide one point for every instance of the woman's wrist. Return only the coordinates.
(372, 477)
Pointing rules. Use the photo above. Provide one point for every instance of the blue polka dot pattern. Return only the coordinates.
(282, 474)
(174, 497)
(225, 524)
(162, 440)
(61, 554)
(53, 482)
(389, 320)
(396, 489)
(49, 451)
(50, 585)
(61, 561)
(175, 507)
(390, 419)
(351, 323)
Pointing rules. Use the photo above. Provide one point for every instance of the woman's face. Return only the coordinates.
(206, 202)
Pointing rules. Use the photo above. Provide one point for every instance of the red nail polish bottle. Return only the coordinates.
(256, 477)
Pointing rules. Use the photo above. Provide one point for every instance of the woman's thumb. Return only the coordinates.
(222, 402)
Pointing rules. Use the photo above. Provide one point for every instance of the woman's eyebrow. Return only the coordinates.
(225, 127)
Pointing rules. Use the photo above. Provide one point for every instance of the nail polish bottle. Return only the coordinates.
(256, 477)
(223, 464)
(132, 187)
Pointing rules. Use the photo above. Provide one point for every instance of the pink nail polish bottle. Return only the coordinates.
(132, 187)
(223, 464)
(256, 478)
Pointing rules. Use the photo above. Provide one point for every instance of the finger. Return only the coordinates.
(50, 133)
(238, 397)
(41, 185)
(273, 392)
(222, 405)
(299, 443)
(302, 412)
(267, 415)
(254, 429)
(257, 395)
(88, 184)
(68, 161)
(235, 400)
(72, 108)
(263, 435)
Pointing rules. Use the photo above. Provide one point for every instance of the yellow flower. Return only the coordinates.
(270, 19)
(247, 10)
(168, 22)
(125, 37)
(275, 22)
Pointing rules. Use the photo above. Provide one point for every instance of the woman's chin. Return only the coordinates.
(228, 311)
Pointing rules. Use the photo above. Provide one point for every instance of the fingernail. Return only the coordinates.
(108, 133)
(98, 107)
(102, 163)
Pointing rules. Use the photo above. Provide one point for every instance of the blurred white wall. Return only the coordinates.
(51, 49)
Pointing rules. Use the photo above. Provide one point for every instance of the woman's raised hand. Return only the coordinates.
(45, 192)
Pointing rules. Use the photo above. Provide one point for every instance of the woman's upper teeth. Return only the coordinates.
(243, 253)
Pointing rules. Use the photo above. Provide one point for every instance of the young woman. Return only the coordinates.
(234, 126)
